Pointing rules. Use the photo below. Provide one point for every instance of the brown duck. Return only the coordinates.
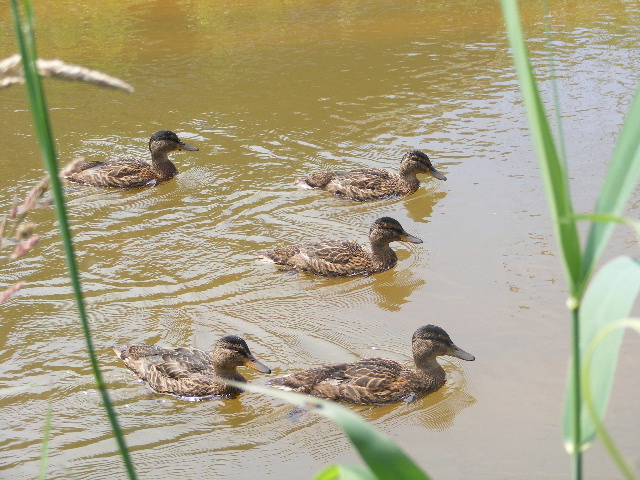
(379, 380)
(189, 372)
(131, 172)
(374, 184)
(345, 258)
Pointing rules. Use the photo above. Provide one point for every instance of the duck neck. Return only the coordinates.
(382, 254)
(230, 373)
(432, 370)
(408, 176)
(161, 164)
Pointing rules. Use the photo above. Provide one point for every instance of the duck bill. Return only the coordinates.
(186, 146)
(409, 238)
(436, 174)
(459, 353)
(256, 365)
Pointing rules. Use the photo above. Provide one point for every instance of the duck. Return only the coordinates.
(340, 258)
(132, 172)
(380, 381)
(368, 184)
(189, 372)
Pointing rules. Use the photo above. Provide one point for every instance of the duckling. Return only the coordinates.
(374, 381)
(368, 184)
(189, 372)
(131, 172)
(345, 258)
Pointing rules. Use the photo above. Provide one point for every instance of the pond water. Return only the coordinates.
(268, 92)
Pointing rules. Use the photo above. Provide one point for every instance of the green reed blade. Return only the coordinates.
(344, 472)
(587, 392)
(605, 217)
(556, 186)
(46, 436)
(26, 43)
(385, 459)
(609, 298)
(619, 183)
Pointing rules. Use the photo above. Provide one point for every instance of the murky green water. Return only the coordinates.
(269, 91)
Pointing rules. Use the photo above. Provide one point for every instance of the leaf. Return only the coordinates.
(385, 459)
(46, 438)
(608, 299)
(344, 472)
(588, 394)
(619, 183)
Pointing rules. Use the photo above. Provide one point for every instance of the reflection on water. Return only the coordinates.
(394, 289)
(269, 93)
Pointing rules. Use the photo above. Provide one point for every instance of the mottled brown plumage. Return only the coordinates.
(374, 184)
(189, 372)
(379, 380)
(345, 258)
(131, 172)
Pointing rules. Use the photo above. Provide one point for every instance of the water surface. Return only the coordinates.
(269, 92)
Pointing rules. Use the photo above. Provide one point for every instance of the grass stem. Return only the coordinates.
(26, 44)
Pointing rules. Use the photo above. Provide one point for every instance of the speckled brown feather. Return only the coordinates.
(379, 380)
(345, 258)
(123, 173)
(189, 372)
(367, 184)
(367, 381)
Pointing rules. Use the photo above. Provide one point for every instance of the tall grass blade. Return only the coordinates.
(604, 217)
(385, 459)
(46, 435)
(556, 186)
(552, 167)
(608, 299)
(619, 183)
(595, 416)
(26, 44)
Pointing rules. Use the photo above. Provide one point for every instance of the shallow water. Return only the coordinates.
(270, 92)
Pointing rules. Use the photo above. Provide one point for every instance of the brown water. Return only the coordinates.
(269, 91)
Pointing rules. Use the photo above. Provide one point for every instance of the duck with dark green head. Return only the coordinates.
(133, 172)
(367, 184)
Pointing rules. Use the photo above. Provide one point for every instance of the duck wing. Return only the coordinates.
(141, 358)
(374, 381)
(306, 381)
(124, 172)
(333, 258)
(339, 252)
(365, 184)
(182, 362)
(368, 381)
